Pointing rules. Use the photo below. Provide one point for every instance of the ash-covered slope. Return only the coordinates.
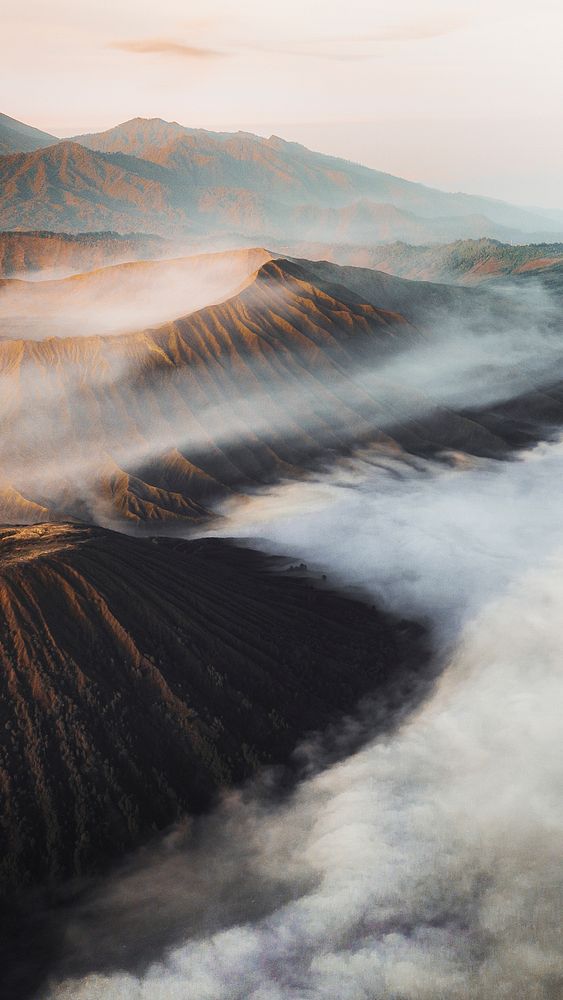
(140, 676)
(422, 303)
(154, 426)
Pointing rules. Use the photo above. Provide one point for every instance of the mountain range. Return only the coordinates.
(152, 176)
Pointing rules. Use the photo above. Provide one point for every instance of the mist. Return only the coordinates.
(425, 865)
(76, 415)
(122, 298)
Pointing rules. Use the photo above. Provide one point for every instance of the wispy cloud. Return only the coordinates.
(165, 47)
(368, 45)
(414, 31)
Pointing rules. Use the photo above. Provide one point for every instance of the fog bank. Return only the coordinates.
(122, 298)
(77, 414)
(425, 866)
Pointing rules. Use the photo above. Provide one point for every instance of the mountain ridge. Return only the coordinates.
(157, 176)
(47, 253)
(114, 136)
(463, 261)
(123, 297)
(16, 136)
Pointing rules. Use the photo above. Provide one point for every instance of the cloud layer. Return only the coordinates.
(166, 47)
(425, 865)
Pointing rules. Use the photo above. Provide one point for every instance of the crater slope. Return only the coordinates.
(123, 297)
(138, 677)
(154, 426)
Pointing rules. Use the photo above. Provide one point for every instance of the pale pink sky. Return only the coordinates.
(463, 95)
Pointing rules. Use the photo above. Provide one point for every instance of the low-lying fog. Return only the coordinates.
(70, 416)
(122, 298)
(425, 866)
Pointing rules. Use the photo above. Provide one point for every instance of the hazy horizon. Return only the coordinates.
(459, 97)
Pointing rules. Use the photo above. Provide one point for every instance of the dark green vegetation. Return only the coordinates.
(466, 262)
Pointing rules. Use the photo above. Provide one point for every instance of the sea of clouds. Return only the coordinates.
(426, 866)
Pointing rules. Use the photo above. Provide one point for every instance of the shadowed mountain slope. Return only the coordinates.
(139, 677)
(421, 302)
(16, 137)
(548, 278)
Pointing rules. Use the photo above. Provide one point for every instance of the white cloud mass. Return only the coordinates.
(426, 865)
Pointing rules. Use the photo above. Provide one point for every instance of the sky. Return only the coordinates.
(463, 95)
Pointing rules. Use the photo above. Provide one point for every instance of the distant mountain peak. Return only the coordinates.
(135, 136)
